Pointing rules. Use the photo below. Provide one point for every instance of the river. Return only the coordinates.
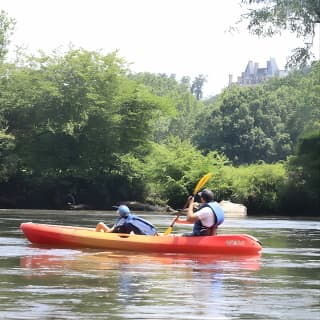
(52, 283)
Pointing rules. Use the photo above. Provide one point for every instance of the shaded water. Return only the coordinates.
(51, 283)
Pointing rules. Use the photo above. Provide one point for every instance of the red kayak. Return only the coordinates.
(69, 236)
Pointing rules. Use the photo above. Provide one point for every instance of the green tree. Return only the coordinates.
(50, 103)
(7, 140)
(262, 122)
(258, 186)
(172, 169)
(7, 157)
(269, 17)
(304, 173)
(74, 116)
(231, 127)
(197, 86)
(138, 117)
(6, 29)
(180, 119)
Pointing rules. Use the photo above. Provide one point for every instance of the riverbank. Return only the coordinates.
(230, 209)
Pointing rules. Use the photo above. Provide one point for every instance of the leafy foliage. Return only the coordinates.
(7, 158)
(6, 29)
(172, 169)
(269, 17)
(180, 120)
(304, 172)
(258, 186)
(80, 127)
(249, 124)
(197, 85)
(75, 115)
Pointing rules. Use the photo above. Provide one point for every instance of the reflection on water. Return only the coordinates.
(142, 280)
(57, 260)
(44, 283)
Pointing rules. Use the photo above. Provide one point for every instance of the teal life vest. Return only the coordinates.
(218, 217)
(136, 224)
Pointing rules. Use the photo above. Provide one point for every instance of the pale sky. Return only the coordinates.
(182, 37)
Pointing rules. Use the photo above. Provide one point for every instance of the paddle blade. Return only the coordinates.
(202, 182)
(168, 231)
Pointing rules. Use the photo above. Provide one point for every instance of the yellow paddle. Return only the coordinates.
(199, 185)
(202, 182)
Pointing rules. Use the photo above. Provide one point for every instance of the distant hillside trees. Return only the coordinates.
(181, 121)
(263, 122)
(79, 125)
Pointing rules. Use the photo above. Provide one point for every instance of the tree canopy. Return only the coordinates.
(263, 122)
(80, 125)
(269, 17)
(7, 26)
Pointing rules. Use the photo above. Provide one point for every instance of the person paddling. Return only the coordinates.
(128, 223)
(208, 217)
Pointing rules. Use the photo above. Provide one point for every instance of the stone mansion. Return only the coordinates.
(253, 74)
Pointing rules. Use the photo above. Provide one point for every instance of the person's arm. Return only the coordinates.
(191, 217)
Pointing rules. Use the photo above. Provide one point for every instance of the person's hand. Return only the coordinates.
(190, 198)
(190, 201)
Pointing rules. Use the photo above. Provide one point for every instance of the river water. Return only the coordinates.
(52, 283)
